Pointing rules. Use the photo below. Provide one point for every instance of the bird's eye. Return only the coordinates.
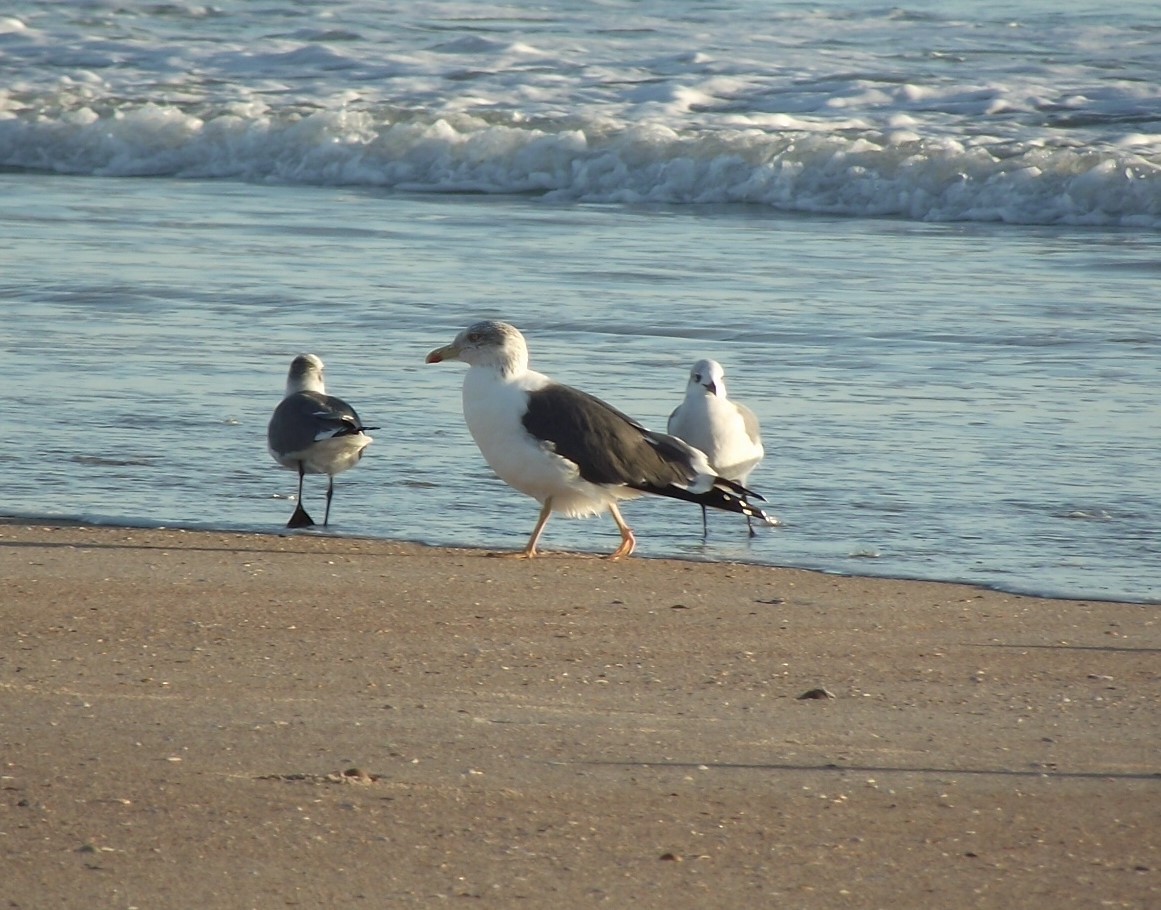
(473, 336)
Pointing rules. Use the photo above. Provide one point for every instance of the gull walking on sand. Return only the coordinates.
(726, 431)
(314, 433)
(568, 450)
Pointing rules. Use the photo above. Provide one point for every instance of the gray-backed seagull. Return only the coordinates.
(725, 430)
(314, 433)
(568, 450)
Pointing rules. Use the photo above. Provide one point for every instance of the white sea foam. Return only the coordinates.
(837, 109)
(851, 172)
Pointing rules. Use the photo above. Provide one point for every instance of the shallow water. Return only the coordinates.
(956, 401)
(816, 195)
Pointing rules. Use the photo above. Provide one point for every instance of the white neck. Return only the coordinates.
(311, 382)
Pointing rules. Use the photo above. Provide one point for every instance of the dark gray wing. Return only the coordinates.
(301, 419)
(607, 446)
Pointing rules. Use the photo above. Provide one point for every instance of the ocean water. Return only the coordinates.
(924, 240)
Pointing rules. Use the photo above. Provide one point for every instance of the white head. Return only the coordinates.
(707, 378)
(487, 344)
(306, 375)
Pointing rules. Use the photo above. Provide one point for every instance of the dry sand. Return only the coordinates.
(202, 720)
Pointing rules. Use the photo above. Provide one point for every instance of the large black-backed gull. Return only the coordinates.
(314, 433)
(725, 430)
(568, 450)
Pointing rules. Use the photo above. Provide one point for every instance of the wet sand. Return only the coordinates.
(203, 720)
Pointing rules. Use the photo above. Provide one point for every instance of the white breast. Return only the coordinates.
(493, 410)
(718, 429)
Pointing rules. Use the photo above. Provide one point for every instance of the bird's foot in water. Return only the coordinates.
(300, 518)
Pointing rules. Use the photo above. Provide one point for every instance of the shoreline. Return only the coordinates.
(199, 718)
(130, 525)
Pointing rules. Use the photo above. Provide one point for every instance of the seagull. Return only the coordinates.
(568, 450)
(726, 431)
(314, 433)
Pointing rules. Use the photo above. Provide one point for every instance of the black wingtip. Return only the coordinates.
(730, 501)
(726, 495)
(351, 429)
(737, 488)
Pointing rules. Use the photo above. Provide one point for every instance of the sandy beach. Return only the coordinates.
(202, 720)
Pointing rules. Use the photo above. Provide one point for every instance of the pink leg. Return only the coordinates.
(628, 541)
(529, 550)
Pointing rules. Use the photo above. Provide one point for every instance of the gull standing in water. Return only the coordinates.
(568, 450)
(726, 431)
(314, 433)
